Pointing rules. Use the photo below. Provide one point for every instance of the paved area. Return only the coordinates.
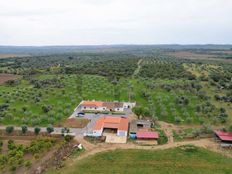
(113, 138)
(77, 131)
(93, 118)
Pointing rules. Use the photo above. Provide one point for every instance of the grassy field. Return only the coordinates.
(178, 160)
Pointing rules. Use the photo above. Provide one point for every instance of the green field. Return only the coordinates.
(164, 88)
(150, 95)
(26, 108)
(171, 161)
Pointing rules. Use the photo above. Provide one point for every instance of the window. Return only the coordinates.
(95, 107)
(84, 107)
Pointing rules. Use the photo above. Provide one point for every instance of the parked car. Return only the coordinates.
(80, 114)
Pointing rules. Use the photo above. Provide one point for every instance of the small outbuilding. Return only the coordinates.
(224, 137)
(147, 135)
(136, 125)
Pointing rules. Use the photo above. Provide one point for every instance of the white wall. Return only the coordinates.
(93, 108)
(121, 133)
(119, 109)
(97, 133)
(126, 104)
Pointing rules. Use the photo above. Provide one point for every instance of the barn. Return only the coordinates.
(114, 128)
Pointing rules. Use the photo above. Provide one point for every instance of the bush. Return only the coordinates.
(37, 130)
(68, 138)
(11, 145)
(230, 128)
(9, 129)
(27, 164)
(46, 108)
(1, 143)
(177, 120)
(50, 129)
(163, 139)
(24, 129)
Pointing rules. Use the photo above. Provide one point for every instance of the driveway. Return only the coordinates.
(93, 118)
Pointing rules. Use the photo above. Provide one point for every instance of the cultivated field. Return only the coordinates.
(11, 55)
(6, 77)
(225, 56)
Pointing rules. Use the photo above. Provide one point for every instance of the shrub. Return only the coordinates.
(24, 129)
(11, 145)
(230, 128)
(9, 129)
(177, 120)
(1, 143)
(37, 130)
(27, 163)
(50, 129)
(163, 139)
(46, 108)
(68, 138)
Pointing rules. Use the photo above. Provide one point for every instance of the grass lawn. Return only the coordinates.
(171, 161)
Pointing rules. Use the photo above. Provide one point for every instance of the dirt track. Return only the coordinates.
(207, 143)
(91, 149)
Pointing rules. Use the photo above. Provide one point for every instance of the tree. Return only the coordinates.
(1, 144)
(37, 130)
(24, 129)
(50, 129)
(177, 120)
(138, 111)
(9, 129)
(68, 138)
(230, 128)
(46, 108)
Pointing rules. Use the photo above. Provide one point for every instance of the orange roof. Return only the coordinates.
(92, 103)
(119, 123)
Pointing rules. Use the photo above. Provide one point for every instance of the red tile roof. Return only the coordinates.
(111, 122)
(92, 104)
(147, 135)
(224, 136)
(108, 105)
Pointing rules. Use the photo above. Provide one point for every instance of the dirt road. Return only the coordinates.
(91, 149)
(138, 68)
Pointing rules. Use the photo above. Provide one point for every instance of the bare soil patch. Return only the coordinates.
(75, 123)
(6, 77)
(196, 56)
(12, 55)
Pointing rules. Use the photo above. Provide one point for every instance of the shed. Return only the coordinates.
(136, 125)
(224, 136)
(147, 135)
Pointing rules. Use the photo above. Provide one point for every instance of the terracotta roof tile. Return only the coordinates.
(119, 123)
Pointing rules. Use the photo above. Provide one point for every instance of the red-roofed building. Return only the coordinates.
(147, 135)
(100, 106)
(92, 106)
(224, 136)
(120, 124)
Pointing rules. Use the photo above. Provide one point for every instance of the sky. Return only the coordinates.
(105, 22)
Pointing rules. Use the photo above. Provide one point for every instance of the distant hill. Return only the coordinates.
(38, 50)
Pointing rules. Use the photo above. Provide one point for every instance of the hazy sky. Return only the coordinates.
(88, 22)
